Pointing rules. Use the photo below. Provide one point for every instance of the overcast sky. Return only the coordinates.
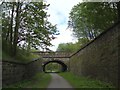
(59, 14)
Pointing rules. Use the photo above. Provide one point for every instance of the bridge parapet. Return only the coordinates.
(57, 54)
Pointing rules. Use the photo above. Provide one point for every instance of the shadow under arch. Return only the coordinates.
(64, 66)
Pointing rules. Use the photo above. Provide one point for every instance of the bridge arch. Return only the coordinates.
(64, 66)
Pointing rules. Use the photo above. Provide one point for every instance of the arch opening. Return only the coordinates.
(54, 66)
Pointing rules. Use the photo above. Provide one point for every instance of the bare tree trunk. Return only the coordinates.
(16, 30)
(7, 36)
(28, 47)
(118, 8)
(11, 29)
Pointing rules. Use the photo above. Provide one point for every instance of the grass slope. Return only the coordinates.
(83, 82)
(40, 80)
(22, 57)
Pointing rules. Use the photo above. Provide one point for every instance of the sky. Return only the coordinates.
(59, 14)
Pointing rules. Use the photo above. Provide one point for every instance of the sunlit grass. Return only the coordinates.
(40, 80)
(84, 82)
(20, 57)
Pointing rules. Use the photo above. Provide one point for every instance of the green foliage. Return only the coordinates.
(25, 56)
(40, 80)
(22, 56)
(89, 19)
(69, 47)
(53, 67)
(84, 82)
(39, 31)
(25, 25)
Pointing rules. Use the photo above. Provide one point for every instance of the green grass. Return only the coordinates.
(26, 57)
(84, 82)
(40, 80)
(6, 56)
(22, 56)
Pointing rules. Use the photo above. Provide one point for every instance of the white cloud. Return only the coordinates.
(59, 12)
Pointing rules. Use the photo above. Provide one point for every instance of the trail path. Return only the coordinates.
(58, 82)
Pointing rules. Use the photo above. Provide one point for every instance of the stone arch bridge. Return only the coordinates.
(60, 57)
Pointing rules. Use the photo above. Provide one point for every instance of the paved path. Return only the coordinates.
(58, 82)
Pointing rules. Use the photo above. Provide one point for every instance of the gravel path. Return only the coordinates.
(58, 82)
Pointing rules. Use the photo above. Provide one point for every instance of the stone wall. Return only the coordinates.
(13, 71)
(99, 58)
(33, 67)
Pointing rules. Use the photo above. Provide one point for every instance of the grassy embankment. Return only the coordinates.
(40, 80)
(22, 56)
(85, 82)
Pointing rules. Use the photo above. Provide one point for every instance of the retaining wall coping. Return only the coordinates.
(20, 63)
(14, 62)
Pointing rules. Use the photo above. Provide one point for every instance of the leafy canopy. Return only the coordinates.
(25, 25)
(39, 29)
(89, 19)
(69, 47)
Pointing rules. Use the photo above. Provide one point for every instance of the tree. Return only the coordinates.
(11, 27)
(18, 5)
(39, 29)
(69, 47)
(26, 22)
(89, 19)
(118, 9)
